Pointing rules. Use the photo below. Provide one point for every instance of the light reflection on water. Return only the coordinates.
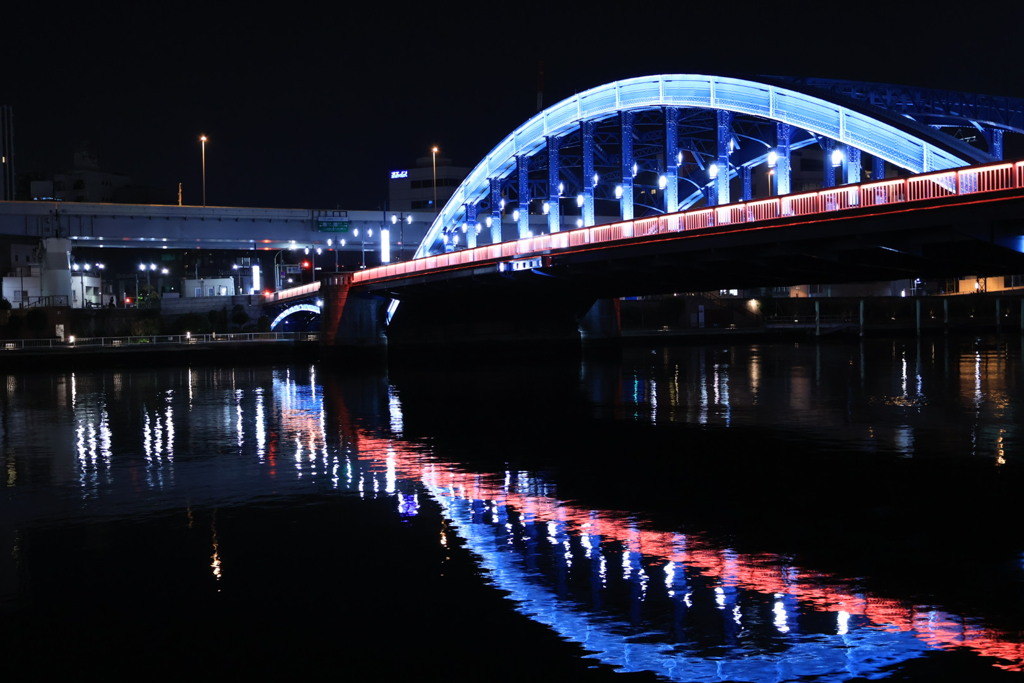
(640, 597)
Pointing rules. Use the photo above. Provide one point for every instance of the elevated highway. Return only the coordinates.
(157, 226)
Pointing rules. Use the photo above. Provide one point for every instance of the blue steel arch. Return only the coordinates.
(298, 308)
(905, 147)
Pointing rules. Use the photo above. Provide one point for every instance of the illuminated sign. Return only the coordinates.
(332, 226)
(395, 175)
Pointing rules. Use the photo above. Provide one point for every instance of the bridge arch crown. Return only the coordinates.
(630, 105)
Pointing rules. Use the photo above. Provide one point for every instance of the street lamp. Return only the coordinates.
(312, 252)
(395, 219)
(81, 280)
(433, 154)
(362, 242)
(202, 139)
(277, 269)
(330, 245)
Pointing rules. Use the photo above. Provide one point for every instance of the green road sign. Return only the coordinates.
(332, 226)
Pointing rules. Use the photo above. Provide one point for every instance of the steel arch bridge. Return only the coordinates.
(666, 143)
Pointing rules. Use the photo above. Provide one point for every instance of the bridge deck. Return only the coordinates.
(790, 210)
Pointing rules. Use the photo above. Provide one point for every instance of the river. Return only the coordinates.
(712, 511)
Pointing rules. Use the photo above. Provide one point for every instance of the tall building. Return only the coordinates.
(85, 182)
(426, 187)
(6, 153)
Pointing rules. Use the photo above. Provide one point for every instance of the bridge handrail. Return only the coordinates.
(292, 292)
(962, 181)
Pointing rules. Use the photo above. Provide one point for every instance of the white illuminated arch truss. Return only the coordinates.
(815, 115)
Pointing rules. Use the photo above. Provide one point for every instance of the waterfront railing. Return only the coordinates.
(163, 340)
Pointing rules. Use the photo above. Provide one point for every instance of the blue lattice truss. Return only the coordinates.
(666, 143)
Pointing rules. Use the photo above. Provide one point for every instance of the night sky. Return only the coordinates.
(310, 107)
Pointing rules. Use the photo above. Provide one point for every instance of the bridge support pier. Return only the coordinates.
(351, 321)
(601, 322)
(487, 321)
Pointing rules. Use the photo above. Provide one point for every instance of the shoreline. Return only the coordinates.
(55, 356)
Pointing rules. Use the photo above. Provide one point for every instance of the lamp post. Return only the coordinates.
(81, 281)
(433, 155)
(147, 270)
(330, 245)
(311, 252)
(277, 271)
(362, 243)
(202, 139)
(399, 218)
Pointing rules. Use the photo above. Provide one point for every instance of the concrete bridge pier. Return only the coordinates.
(488, 320)
(602, 322)
(351, 321)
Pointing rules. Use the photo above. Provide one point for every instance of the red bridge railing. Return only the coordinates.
(962, 181)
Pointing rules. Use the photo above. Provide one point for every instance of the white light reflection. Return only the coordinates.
(395, 411)
(552, 532)
(653, 389)
(588, 547)
(703, 384)
(781, 618)
(722, 391)
(92, 446)
(842, 622)
(239, 424)
(261, 429)
(215, 563)
(391, 477)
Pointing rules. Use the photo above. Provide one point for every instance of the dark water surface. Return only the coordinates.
(718, 512)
